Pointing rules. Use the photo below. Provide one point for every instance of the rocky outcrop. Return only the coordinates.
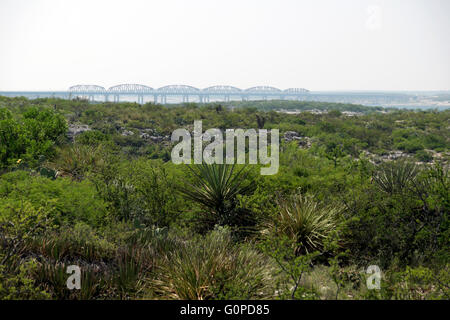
(303, 142)
(291, 135)
(394, 155)
(352, 113)
(76, 129)
(126, 133)
(144, 135)
(152, 135)
(158, 138)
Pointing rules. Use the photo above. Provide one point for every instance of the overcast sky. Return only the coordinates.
(315, 44)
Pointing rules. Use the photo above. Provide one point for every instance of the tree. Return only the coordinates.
(333, 152)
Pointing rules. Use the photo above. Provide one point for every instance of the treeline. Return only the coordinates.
(304, 106)
(139, 130)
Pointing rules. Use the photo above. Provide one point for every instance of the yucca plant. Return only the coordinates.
(216, 187)
(305, 221)
(213, 268)
(130, 266)
(53, 276)
(78, 159)
(395, 176)
(189, 271)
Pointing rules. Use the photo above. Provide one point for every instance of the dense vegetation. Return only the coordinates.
(93, 185)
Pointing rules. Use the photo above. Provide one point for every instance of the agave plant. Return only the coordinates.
(216, 188)
(303, 220)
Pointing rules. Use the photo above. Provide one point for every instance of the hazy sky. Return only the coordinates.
(315, 44)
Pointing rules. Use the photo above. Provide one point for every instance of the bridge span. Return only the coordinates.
(183, 92)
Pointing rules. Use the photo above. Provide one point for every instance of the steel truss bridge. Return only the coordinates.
(185, 92)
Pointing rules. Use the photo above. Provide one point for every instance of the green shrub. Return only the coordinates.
(92, 137)
(68, 201)
(20, 284)
(79, 241)
(140, 191)
(424, 156)
(292, 266)
(402, 218)
(31, 137)
(420, 283)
